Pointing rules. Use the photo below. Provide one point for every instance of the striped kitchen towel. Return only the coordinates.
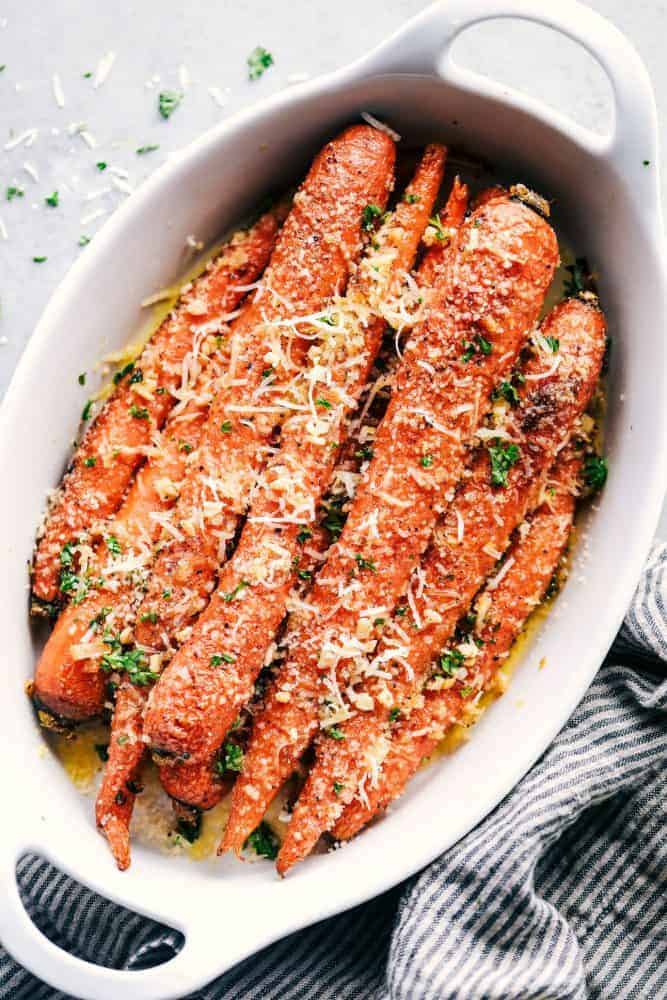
(560, 893)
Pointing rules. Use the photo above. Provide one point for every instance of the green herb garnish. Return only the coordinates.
(258, 62)
(365, 563)
(229, 597)
(226, 427)
(139, 412)
(113, 545)
(426, 461)
(334, 733)
(368, 217)
(503, 457)
(595, 472)
(168, 101)
(142, 150)
(14, 192)
(263, 841)
(52, 200)
(450, 661)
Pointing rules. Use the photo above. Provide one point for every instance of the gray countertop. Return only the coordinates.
(201, 48)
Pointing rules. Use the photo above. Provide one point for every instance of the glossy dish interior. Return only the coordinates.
(613, 217)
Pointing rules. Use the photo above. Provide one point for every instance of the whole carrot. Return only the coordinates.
(113, 446)
(484, 302)
(500, 612)
(504, 482)
(317, 248)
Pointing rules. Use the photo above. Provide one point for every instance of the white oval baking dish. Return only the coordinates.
(608, 203)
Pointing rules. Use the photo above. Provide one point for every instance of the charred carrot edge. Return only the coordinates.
(532, 560)
(319, 243)
(93, 488)
(431, 416)
(68, 680)
(351, 171)
(200, 693)
(559, 380)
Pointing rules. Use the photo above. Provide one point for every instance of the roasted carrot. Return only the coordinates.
(504, 482)
(108, 585)
(500, 611)
(113, 446)
(485, 300)
(213, 674)
(318, 245)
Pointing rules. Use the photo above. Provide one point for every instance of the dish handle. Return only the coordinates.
(423, 45)
(177, 977)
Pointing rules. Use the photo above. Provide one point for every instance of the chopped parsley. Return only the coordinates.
(365, 563)
(168, 101)
(368, 217)
(85, 413)
(52, 200)
(450, 661)
(466, 691)
(14, 192)
(440, 231)
(87, 75)
(507, 392)
(219, 658)
(184, 446)
(595, 472)
(263, 841)
(39, 260)
(122, 372)
(258, 62)
(503, 456)
(335, 519)
(554, 343)
(149, 616)
(139, 412)
(82, 378)
(426, 461)
(394, 714)
(90, 462)
(338, 787)
(335, 733)
(226, 427)
(478, 345)
(166, 594)
(324, 403)
(229, 597)
(364, 453)
(232, 757)
(411, 198)
(378, 622)
(113, 545)
(101, 165)
(129, 661)
(142, 150)
(303, 536)
(305, 574)
(84, 241)
(645, 163)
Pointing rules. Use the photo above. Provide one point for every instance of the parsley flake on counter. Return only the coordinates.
(258, 62)
(39, 260)
(52, 200)
(263, 841)
(101, 165)
(503, 457)
(595, 472)
(142, 150)
(82, 378)
(84, 241)
(85, 413)
(14, 192)
(168, 101)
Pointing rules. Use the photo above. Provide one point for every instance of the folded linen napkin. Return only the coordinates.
(561, 892)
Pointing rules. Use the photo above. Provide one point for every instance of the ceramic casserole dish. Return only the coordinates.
(608, 205)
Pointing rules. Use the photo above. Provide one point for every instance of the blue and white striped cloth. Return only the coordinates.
(559, 893)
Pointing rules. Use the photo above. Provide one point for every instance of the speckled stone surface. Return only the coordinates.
(201, 48)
